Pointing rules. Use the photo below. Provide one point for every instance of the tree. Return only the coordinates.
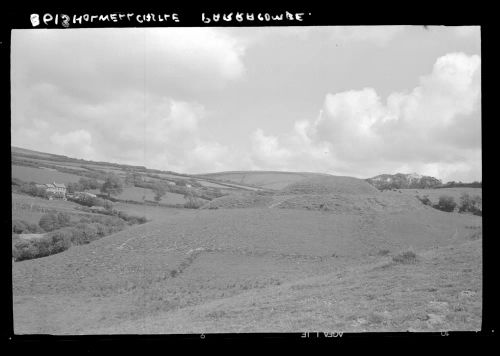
(74, 187)
(159, 191)
(88, 183)
(191, 201)
(113, 185)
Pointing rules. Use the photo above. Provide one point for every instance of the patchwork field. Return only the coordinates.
(140, 194)
(41, 176)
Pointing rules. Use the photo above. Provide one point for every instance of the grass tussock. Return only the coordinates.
(405, 257)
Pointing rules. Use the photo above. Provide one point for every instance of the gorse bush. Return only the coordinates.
(446, 203)
(52, 221)
(63, 233)
(89, 201)
(425, 200)
(131, 219)
(470, 204)
(23, 227)
(406, 257)
(32, 189)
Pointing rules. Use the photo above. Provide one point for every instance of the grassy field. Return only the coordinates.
(31, 209)
(139, 194)
(41, 176)
(269, 180)
(218, 265)
(434, 194)
(376, 296)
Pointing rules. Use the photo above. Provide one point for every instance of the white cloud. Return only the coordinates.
(75, 143)
(435, 128)
(125, 95)
(96, 65)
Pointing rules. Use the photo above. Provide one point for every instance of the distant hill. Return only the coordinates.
(264, 179)
(403, 181)
(460, 185)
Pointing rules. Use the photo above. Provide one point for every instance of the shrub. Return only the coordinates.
(24, 250)
(60, 240)
(84, 234)
(406, 257)
(446, 203)
(62, 236)
(103, 230)
(88, 183)
(470, 204)
(49, 222)
(383, 252)
(33, 190)
(191, 201)
(193, 204)
(113, 185)
(131, 219)
(23, 227)
(425, 200)
(63, 219)
(19, 226)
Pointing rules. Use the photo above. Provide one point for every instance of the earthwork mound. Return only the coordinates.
(330, 185)
(240, 201)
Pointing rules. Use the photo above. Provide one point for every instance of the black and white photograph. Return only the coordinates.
(245, 179)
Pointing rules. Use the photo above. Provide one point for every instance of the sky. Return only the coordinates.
(353, 101)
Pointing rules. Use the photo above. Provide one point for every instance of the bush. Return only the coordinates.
(84, 234)
(89, 183)
(446, 203)
(425, 200)
(24, 250)
(470, 204)
(23, 227)
(19, 226)
(113, 185)
(193, 204)
(49, 222)
(406, 257)
(132, 219)
(60, 240)
(33, 190)
(62, 236)
(64, 219)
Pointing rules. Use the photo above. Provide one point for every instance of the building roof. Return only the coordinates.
(59, 185)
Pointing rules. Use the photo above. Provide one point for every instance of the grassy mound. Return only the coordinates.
(330, 185)
(350, 203)
(239, 201)
(264, 179)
